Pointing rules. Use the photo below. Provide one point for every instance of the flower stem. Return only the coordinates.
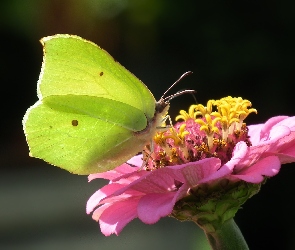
(228, 237)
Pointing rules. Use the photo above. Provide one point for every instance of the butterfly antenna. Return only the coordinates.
(186, 91)
(178, 93)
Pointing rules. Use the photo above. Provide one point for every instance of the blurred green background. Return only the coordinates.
(238, 48)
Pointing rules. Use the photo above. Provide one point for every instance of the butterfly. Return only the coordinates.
(92, 114)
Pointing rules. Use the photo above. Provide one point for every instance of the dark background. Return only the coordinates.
(237, 48)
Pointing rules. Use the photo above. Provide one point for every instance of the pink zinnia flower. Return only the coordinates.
(208, 149)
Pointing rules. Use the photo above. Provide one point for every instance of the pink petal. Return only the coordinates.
(239, 153)
(136, 160)
(265, 148)
(115, 217)
(97, 212)
(286, 144)
(281, 142)
(288, 155)
(260, 132)
(101, 194)
(152, 207)
(278, 132)
(254, 133)
(130, 177)
(124, 196)
(268, 166)
(159, 181)
(115, 173)
(192, 173)
(289, 122)
(270, 123)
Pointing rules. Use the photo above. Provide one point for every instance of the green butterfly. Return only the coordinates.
(92, 114)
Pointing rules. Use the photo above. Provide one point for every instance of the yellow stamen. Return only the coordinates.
(185, 116)
(178, 138)
(209, 127)
(200, 110)
(231, 112)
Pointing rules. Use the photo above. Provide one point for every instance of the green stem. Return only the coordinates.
(228, 237)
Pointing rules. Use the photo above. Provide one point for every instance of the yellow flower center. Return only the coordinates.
(231, 112)
(206, 131)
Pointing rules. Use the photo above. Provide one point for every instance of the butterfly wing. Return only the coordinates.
(72, 65)
(90, 108)
(81, 139)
